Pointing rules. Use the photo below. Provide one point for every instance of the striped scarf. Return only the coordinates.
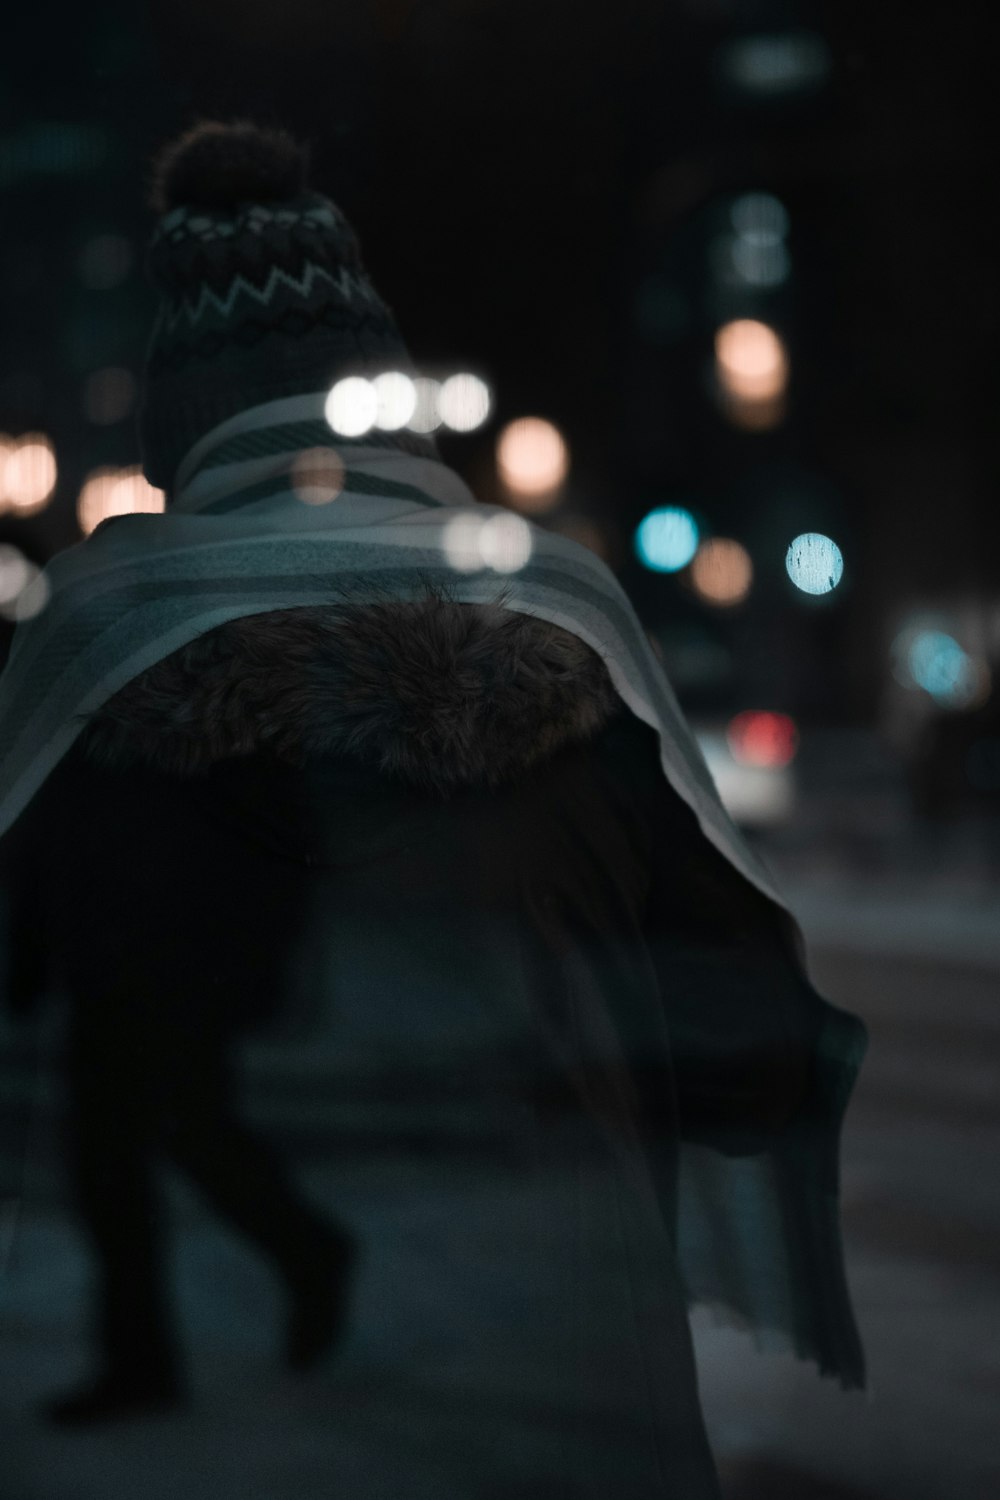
(758, 1236)
(236, 540)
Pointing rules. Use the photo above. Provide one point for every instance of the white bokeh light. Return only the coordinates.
(759, 217)
(760, 264)
(814, 563)
(32, 598)
(395, 400)
(501, 541)
(15, 573)
(461, 543)
(24, 589)
(505, 543)
(464, 402)
(352, 406)
(426, 416)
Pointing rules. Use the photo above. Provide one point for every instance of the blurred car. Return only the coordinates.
(750, 757)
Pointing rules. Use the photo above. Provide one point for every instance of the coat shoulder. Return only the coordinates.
(433, 692)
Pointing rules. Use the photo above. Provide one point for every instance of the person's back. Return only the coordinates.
(506, 957)
(455, 841)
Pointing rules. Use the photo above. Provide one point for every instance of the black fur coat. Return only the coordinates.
(433, 834)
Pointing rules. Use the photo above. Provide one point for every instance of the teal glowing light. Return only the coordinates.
(667, 539)
(814, 563)
(940, 666)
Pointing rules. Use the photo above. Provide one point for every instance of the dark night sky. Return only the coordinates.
(515, 169)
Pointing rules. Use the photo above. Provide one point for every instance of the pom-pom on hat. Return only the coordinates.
(221, 166)
(263, 291)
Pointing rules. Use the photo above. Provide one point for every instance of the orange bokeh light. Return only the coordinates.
(28, 473)
(722, 572)
(115, 492)
(751, 361)
(533, 461)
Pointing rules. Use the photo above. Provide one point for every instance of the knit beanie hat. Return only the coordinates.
(263, 292)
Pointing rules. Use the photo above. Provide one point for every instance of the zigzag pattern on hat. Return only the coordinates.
(342, 283)
(264, 293)
(370, 328)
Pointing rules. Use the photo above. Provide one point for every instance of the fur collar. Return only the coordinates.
(437, 693)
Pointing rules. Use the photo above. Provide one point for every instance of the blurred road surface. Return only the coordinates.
(922, 1219)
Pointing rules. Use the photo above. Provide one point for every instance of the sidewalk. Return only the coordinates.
(946, 918)
(922, 1235)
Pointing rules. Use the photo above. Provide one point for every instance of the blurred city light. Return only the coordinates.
(108, 395)
(935, 661)
(15, 572)
(105, 261)
(533, 461)
(759, 795)
(666, 539)
(28, 473)
(464, 402)
(110, 491)
(395, 400)
(755, 253)
(814, 563)
(425, 416)
(318, 476)
(760, 738)
(352, 406)
(133, 492)
(760, 218)
(751, 360)
(760, 264)
(505, 543)
(501, 542)
(721, 572)
(461, 543)
(24, 589)
(33, 597)
(791, 62)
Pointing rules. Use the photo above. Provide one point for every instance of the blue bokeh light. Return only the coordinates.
(667, 539)
(939, 665)
(814, 563)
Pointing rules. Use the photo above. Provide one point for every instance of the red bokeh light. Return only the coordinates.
(760, 738)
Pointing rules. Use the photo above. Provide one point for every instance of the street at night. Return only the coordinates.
(499, 752)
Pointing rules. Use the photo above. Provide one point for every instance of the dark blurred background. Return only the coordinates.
(741, 255)
(572, 200)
